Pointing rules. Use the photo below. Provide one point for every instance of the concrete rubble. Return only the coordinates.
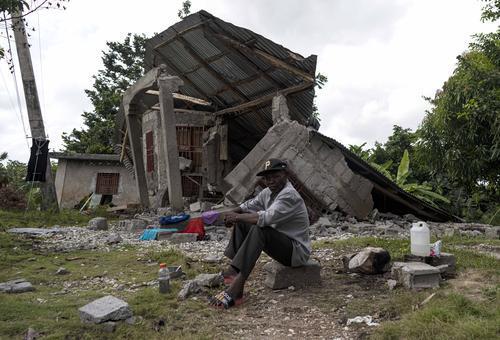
(279, 276)
(107, 308)
(190, 287)
(416, 275)
(369, 260)
(209, 280)
(16, 286)
(98, 223)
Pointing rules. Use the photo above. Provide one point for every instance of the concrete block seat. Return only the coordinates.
(279, 276)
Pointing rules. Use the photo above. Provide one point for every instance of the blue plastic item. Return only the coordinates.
(151, 234)
(166, 220)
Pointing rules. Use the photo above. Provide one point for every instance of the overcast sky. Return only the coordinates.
(380, 56)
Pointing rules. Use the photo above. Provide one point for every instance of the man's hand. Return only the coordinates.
(230, 218)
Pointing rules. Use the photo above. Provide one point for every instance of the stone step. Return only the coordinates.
(279, 276)
(416, 275)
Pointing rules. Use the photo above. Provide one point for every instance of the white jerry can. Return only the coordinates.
(420, 239)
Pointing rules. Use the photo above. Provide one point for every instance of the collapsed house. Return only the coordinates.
(216, 102)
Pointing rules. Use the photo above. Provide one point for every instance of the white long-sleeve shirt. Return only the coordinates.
(287, 213)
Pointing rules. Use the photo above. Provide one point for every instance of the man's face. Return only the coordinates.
(275, 180)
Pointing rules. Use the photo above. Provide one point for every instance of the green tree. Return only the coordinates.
(460, 135)
(123, 65)
(185, 10)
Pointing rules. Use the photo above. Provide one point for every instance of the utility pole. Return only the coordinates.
(49, 199)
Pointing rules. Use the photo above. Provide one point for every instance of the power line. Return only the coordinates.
(15, 80)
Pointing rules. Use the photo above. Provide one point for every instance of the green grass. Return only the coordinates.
(447, 316)
(41, 219)
(58, 318)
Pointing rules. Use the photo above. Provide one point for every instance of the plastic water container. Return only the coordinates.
(420, 239)
(164, 279)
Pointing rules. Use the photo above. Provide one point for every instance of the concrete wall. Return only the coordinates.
(157, 179)
(320, 168)
(76, 178)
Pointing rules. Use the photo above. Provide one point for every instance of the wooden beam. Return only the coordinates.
(276, 62)
(239, 82)
(124, 144)
(180, 96)
(210, 69)
(208, 60)
(264, 99)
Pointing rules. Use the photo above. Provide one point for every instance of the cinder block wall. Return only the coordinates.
(322, 169)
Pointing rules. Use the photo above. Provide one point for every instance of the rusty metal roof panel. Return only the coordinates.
(204, 48)
(229, 70)
(202, 31)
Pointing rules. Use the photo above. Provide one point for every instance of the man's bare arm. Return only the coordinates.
(233, 217)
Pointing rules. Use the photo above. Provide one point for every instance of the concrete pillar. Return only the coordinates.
(134, 124)
(167, 85)
(280, 109)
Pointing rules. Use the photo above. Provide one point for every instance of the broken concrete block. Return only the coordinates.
(190, 287)
(16, 286)
(113, 239)
(279, 276)
(195, 207)
(370, 260)
(324, 221)
(98, 223)
(182, 237)
(209, 280)
(492, 232)
(107, 308)
(415, 275)
(445, 259)
(136, 225)
(62, 271)
(35, 231)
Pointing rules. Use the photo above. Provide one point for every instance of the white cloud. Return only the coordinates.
(381, 56)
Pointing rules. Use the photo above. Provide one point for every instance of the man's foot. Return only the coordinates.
(229, 275)
(224, 300)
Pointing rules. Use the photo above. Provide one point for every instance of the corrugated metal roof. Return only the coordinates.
(197, 50)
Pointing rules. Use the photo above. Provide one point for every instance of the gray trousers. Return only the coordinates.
(248, 241)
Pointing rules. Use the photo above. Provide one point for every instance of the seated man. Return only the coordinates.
(275, 221)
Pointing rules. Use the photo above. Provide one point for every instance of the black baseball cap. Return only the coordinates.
(271, 165)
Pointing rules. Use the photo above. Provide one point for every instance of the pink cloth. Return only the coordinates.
(209, 217)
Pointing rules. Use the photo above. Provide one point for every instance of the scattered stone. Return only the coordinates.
(279, 276)
(107, 308)
(31, 334)
(415, 275)
(209, 280)
(164, 211)
(370, 260)
(190, 287)
(16, 286)
(206, 206)
(109, 327)
(98, 223)
(492, 232)
(213, 258)
(176, 238)
(62, 271)
(324, 221)
(410, 218)
(35, 231)
(392, 284)
(113, 239)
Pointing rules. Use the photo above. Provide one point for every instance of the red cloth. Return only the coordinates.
(195, 226)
